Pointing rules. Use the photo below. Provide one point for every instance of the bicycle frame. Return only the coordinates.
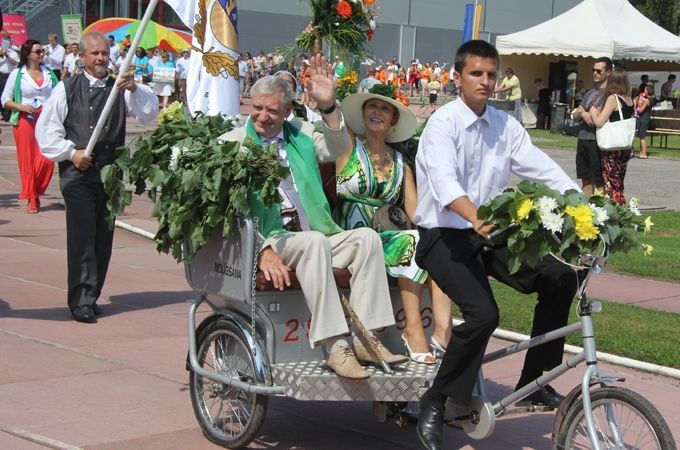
(592, 374)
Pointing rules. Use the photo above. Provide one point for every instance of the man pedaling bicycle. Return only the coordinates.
(465, 156)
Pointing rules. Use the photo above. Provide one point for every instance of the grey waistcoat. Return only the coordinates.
(85, 105)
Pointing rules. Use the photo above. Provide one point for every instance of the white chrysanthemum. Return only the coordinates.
(546, 205)
(371, 24)
(633, 205)
(552, 222)
(174, 157)
(600, 215)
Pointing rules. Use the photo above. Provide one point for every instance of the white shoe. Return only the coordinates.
(421, 358)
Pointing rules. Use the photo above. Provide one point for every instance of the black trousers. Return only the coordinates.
(457, 261)
(88, 238)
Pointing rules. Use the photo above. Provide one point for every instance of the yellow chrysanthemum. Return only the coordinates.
(583, 218)
(586, 231)
(524, 209)
(648, 224)
(647, 249)
(580, 213)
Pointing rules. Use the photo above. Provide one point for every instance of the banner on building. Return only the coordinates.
(14, 26)
(212, 81)
(71, 27)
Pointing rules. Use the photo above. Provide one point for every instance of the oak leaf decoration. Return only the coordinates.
(220, 63)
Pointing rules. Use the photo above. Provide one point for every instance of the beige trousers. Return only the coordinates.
(313, 256)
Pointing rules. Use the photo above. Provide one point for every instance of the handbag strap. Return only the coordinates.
(618, 103)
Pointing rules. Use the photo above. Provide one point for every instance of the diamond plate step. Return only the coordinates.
(311, 380)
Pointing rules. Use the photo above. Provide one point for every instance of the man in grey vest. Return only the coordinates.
(63, 131)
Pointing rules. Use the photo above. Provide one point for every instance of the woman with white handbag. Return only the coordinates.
(615, 133)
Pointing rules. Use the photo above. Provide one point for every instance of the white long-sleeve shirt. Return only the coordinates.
(29, 88)
(54, 56)
(463, 154)
(51, 134)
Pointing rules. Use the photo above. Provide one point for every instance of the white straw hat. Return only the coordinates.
(352, 110)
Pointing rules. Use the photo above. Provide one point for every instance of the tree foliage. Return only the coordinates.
(664, 13)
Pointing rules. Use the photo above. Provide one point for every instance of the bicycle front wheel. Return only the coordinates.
(622, 418)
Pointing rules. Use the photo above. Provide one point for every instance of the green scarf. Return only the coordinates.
(305, 171)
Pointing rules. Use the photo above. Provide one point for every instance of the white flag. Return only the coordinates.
(212, 78)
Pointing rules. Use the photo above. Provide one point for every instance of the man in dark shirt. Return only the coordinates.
(588, 165)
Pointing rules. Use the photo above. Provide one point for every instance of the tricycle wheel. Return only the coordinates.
(229, 417)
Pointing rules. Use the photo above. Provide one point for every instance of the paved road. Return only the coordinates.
(121, 384)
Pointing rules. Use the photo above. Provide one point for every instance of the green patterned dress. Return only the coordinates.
(360, 194)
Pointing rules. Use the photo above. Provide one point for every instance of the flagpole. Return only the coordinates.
(123, 69)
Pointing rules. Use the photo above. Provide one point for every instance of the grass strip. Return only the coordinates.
(664, 262)
(624, 330)
(551, 140)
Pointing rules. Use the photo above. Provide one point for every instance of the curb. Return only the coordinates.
(511, 335)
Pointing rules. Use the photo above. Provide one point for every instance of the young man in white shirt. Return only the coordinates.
(466, 154)
(54, 55)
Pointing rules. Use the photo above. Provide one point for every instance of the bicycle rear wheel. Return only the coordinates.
(228, 416)
(623, 420)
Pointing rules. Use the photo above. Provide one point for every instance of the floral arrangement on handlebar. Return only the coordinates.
(537, 220)
(195, 181)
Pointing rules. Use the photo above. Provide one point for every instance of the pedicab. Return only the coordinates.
(254, 345)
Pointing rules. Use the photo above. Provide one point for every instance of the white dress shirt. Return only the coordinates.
(182, 68)
(290, 198)
(29, 88)
(51, 134)
(463, 154)
(7, 66)
(69, 61)
(54, 57)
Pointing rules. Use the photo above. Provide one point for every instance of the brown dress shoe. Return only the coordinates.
(365, 356)
(343, 362)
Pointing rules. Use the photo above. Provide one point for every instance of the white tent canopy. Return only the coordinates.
(596, 28)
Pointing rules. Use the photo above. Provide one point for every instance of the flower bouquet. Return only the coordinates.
(536, 220)
(344, 24)
(347, 85)
(195, 180)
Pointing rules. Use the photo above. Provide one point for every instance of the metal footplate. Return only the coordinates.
(311, 380)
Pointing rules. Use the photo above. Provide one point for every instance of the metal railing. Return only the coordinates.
(27, 8)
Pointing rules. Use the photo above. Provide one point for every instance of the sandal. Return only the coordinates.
(436, 347)
(643, 157)
(32, 207)
(421, 358)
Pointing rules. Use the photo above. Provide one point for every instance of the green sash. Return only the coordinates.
(305, 171)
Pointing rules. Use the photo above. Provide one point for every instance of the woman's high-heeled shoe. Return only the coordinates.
(436, 347)
(420, 358)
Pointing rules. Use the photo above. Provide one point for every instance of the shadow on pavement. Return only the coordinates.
(9, 201)
(147, 300)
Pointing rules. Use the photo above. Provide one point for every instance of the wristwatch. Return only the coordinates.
(328, 110)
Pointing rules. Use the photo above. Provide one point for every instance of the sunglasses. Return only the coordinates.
(38, 52)
(597, 71)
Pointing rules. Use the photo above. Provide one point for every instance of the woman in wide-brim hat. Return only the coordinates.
(371, 174)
